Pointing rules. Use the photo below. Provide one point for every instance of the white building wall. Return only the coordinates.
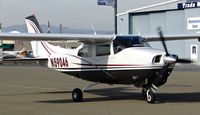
(123, 24)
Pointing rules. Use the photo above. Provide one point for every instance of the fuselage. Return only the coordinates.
(113, 60)
(114, 63)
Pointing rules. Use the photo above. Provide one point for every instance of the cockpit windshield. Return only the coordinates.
(122, 42)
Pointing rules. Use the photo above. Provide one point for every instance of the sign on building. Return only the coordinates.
(188, 5)
(106, 2)
(193, 23)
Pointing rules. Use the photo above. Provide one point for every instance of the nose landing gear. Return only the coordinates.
(149, 93)
(150, 96)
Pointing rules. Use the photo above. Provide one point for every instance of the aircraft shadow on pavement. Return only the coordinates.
(123, 93)
(34, 93)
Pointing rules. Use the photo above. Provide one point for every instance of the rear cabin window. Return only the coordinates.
(85, 52)
(102, 50)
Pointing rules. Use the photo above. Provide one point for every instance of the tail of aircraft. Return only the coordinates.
(40, 48)
(33, 25)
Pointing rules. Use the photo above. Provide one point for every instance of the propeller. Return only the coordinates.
(184, 61)
(168, 56)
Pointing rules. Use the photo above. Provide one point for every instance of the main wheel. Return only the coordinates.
(77, 95)
(150, 96)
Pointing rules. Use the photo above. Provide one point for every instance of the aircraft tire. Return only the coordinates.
(77, 95)
(150, 96)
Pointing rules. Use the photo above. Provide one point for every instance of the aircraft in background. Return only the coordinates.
(16, 54)
(109, 59)
(8, 53)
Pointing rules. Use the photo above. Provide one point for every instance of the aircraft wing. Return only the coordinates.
(172, 37)
(85, 38)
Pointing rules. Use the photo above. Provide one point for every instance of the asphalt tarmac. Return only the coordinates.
(40, 91)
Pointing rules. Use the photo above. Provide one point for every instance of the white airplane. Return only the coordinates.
(109, 59)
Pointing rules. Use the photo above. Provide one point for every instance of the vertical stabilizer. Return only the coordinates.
(33, 25)
(40, 48)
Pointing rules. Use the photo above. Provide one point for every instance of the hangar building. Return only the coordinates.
(174, 17)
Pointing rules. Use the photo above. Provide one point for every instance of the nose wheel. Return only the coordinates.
(150, 96)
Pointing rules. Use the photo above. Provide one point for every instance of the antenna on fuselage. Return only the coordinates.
(95, 33)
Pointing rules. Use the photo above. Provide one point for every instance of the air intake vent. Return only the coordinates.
(156, 59)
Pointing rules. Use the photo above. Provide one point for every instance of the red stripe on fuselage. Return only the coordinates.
(45, 48)
(48, 47)
(113, 65)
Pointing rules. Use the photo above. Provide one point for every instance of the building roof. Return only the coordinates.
(147, 7)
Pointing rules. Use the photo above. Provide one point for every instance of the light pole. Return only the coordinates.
(115, 17)
(112, 3)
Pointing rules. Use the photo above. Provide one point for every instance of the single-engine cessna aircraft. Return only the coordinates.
(109, 59)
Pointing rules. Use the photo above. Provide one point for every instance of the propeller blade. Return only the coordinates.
(184, 61)
(162, 40)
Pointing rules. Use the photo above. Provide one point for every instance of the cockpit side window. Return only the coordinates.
(102, 50)
(118, 46)
(85, 51)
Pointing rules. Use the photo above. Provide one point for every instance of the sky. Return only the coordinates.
(77, 14)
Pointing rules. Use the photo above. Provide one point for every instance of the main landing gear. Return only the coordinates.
(149, 93)
(77, 94)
